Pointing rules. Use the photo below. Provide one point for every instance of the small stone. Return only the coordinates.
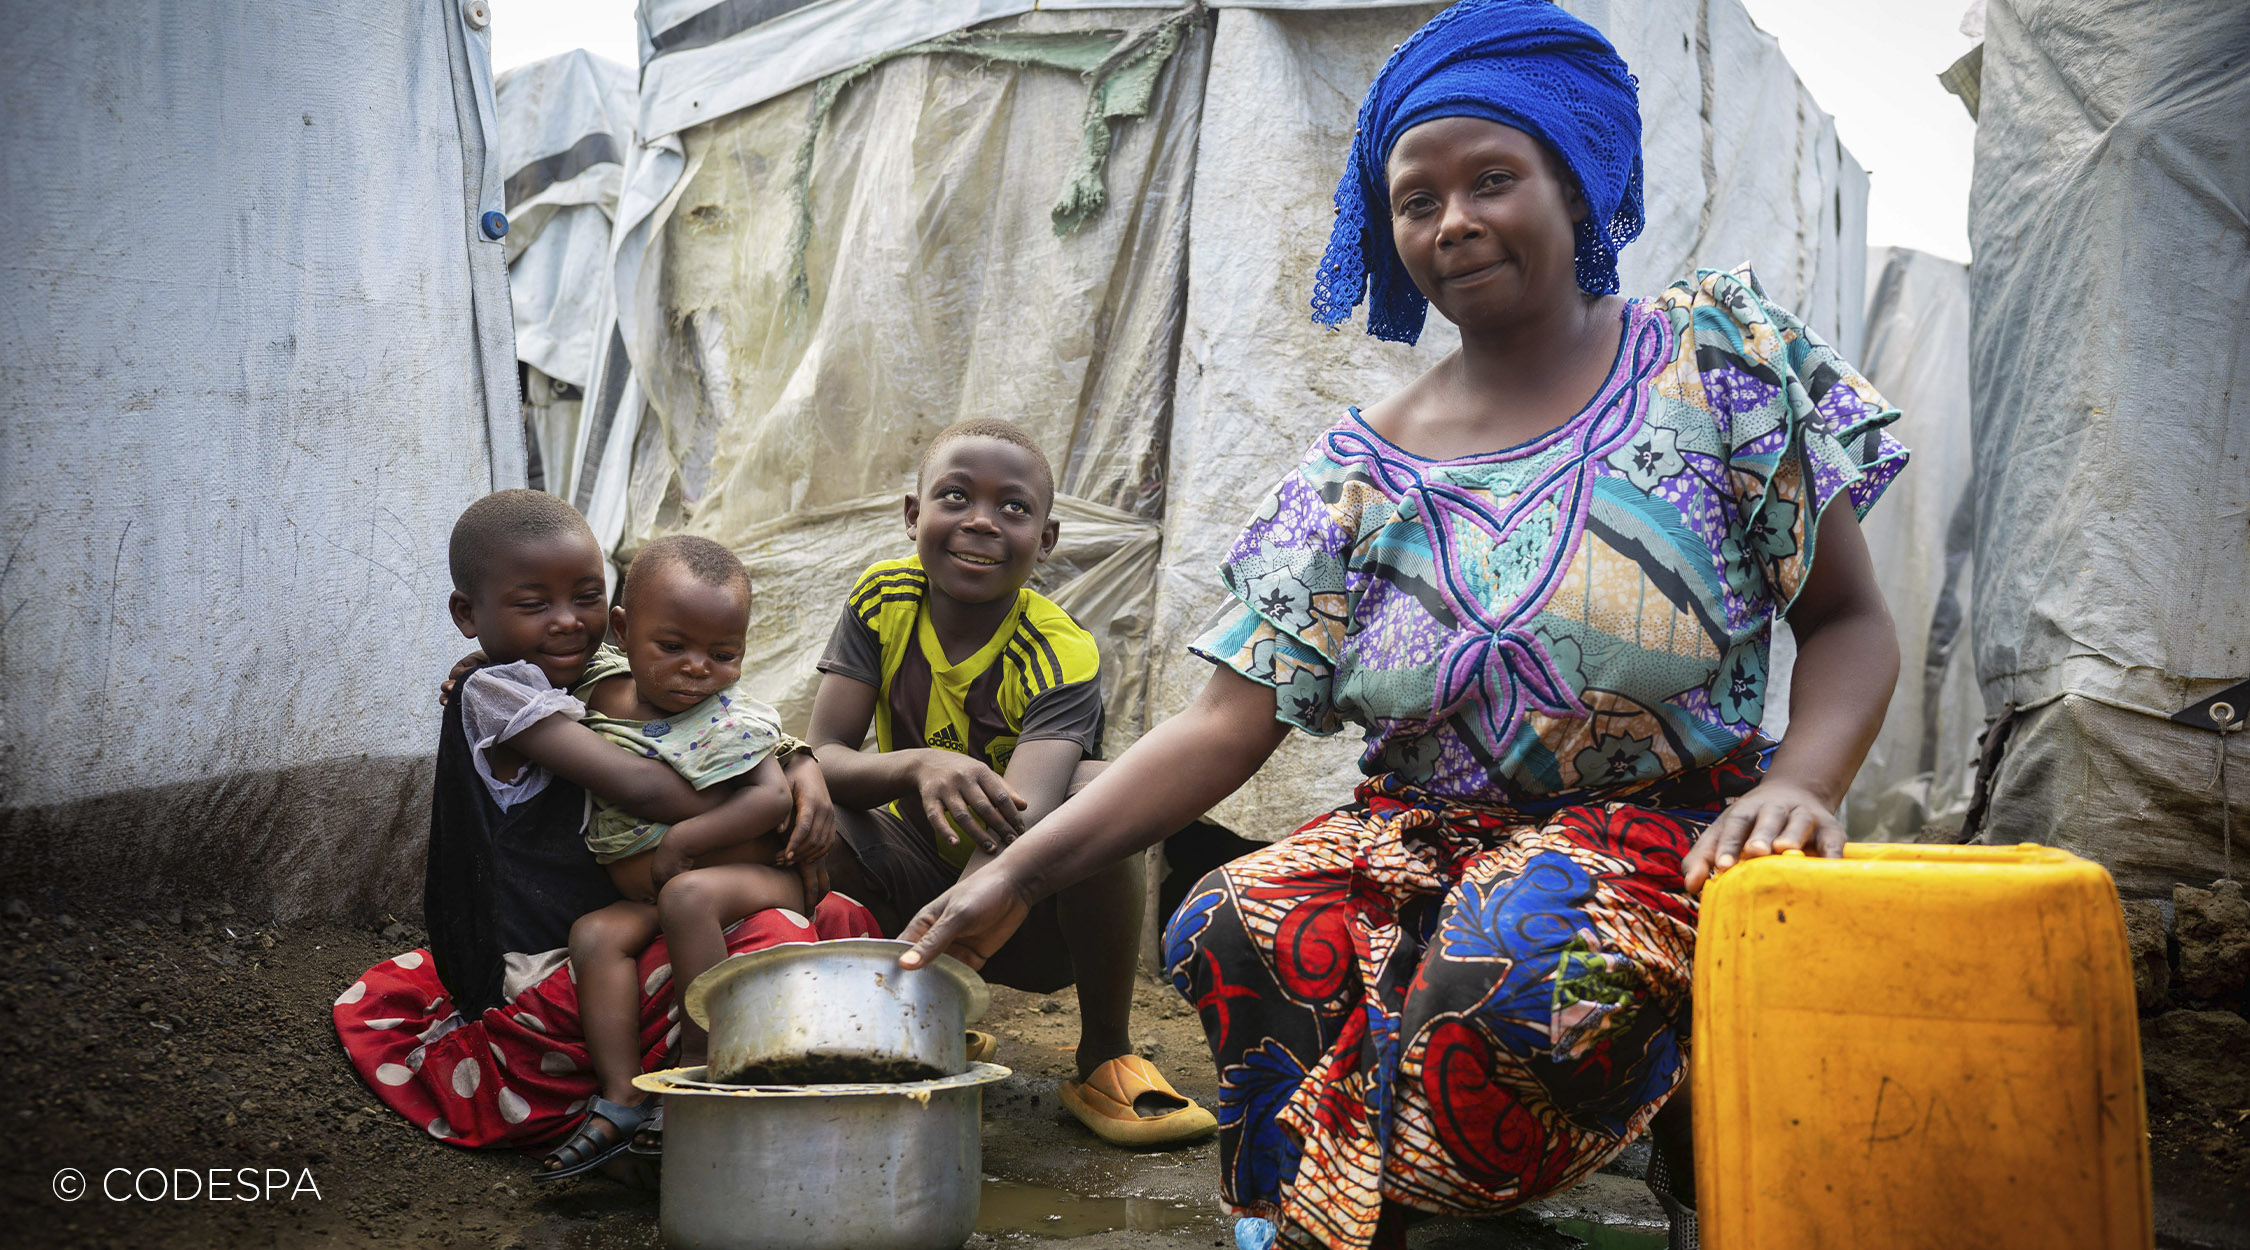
(67, 923)
(2146, 939)
(16, 909)
(394, 932)
(2198, 1057)
(2213, 930)
(1049, 1007)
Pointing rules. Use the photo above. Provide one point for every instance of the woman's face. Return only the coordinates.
(1482, 220)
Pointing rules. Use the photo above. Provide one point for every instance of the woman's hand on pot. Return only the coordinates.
(1773, 816)
(970, 922)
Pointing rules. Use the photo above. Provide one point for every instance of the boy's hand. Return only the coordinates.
(812, 825)
(666, 862)
(959, 793)
(461, 668)
(813, 874)
(1773, 816)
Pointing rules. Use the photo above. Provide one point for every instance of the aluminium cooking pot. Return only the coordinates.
(806, 1013)
(821, 1167)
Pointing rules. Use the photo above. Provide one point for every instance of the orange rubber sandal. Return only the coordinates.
(1104, 1102)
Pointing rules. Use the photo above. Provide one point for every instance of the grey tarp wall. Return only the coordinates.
(1916, 783)
(566, 124)
(254, 357)
(1162, 351)
(2112, 405)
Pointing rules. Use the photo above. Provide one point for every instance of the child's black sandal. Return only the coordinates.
(649, 1141)
(591, 1151)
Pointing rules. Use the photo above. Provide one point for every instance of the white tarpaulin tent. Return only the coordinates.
(566, 124)
(258, 357)
(2111, 354)
(854, 221)
(1916, 783)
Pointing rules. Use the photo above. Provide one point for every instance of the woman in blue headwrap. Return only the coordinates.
(1542, 578)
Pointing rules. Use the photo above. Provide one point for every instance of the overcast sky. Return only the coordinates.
(1873, 64)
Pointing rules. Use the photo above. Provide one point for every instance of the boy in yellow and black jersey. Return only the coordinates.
(1038, 678)
(985, 700)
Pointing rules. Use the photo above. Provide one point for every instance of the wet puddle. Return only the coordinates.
(1610, 1236)
(1012, 1207)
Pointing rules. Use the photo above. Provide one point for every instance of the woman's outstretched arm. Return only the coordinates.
(1847, 662)
(1160, 784)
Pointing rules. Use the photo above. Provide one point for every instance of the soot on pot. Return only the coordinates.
(832, 1069)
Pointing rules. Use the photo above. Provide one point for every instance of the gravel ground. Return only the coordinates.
(201, 1040)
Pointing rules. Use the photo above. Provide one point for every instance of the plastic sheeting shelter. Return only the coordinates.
(566, 125)
(1916, 783)
(258, 357)
(2111, 355)
(566, 130)
(845, 231)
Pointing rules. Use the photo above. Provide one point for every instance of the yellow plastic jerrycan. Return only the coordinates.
(1920, 1047)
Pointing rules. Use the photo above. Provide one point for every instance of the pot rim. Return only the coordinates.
(975, 993)
(689, 1082)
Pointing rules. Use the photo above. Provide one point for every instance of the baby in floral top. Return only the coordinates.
(668, 691)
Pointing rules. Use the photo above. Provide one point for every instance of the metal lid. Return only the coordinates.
(879, 954)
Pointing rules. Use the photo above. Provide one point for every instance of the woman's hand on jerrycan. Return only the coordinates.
(1774, 816)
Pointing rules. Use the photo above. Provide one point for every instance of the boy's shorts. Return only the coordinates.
(899, 860)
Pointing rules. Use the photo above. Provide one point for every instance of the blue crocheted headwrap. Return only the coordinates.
(1522, 63)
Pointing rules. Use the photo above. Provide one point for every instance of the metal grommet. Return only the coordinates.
(495, 224)
(2222, 713)
(478, 12)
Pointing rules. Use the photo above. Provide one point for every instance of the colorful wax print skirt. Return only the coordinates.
(1457, 1009)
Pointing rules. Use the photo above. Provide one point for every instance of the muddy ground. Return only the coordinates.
(184, 1040)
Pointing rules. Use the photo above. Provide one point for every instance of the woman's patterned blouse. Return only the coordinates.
(1580, 616)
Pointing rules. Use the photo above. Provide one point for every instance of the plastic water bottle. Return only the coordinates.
(1252, 1233)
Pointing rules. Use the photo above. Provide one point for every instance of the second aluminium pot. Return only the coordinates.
(817, 1013)
(820, 1167)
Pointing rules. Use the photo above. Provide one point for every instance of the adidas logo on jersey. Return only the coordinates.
(946, 739)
